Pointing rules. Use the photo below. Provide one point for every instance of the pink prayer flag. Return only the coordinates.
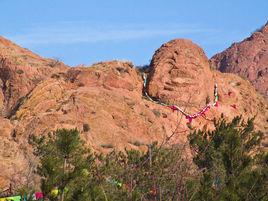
(39, 195)
(189, 118)
(173, 107)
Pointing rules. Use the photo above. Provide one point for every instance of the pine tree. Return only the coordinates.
(233, 165)
(64, 164)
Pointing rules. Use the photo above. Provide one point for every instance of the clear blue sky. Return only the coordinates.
(88, 31)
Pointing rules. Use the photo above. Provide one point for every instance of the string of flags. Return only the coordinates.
(13, 198)
(35, 196)
(54, 193)
(188, 116)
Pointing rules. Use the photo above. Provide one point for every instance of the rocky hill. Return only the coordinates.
(248, 58)
(106, 102)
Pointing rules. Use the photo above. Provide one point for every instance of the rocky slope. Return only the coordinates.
(106, 103)
(248, 58)
(20, 71)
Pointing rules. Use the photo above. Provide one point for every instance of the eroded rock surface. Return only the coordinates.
(20, 71)
(248, 59)
(180, 74)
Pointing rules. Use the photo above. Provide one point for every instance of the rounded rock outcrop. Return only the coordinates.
(180, 74)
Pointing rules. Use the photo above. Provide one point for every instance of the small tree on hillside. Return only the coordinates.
(64, 162)
(232, 165)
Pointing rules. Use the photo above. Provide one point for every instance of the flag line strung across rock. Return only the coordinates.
(190, 117)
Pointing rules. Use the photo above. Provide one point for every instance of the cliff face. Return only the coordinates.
(106, 103)
(248, 59)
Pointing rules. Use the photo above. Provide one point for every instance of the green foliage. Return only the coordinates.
(231, 162)
(25, 193)
(86, 127)
(136, 143)
(158, 174)
(156, 113)
(231, 168)
(63, 162)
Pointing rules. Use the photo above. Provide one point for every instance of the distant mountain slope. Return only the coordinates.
(248, 58)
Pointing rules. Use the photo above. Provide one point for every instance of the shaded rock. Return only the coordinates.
(14, 162)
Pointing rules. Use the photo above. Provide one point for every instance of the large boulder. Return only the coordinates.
(180, 74)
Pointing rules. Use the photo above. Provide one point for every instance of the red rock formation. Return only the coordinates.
(248, 58)
(20, 71)
(181, 75)
(105, 103)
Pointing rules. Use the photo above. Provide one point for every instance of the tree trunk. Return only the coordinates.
(62, 194)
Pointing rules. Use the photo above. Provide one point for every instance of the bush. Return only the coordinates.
(54, 62)
(156, 113)
(159, 174)
(231, 162)
(64, 162)
(136, 143)
(108, 146)
(86, 127)
(20, 71)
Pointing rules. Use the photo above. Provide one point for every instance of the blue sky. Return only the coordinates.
(88, 31)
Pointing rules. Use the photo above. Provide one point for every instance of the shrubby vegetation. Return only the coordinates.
(232, 163)
(227, 165)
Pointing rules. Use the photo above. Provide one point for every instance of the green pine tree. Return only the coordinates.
(233, 166)
(65, 164)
